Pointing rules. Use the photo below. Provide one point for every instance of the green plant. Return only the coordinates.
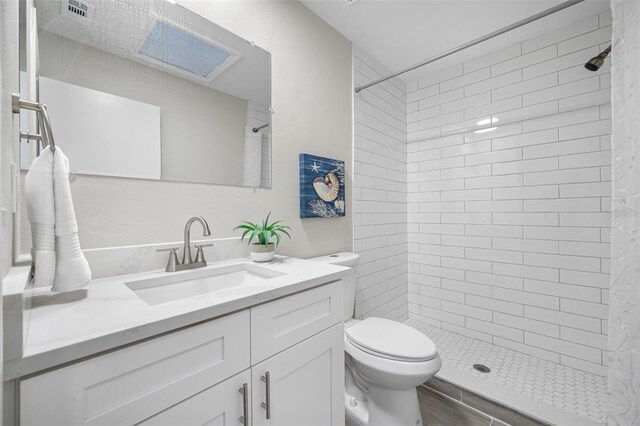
(264, 231)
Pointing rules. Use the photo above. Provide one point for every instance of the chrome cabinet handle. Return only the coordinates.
(244, 418)
(267, 405)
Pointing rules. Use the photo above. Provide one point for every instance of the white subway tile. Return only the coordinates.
(492, 255)
(466, 241)
(423, 93)
(466, 264)
(576, 263)
(563, 318)
(591, 174)
(562, 233)
(593, 38)
(562, 91)
(543, 164)
(564, 33)
(494, 304)
(493, 107)
(580, 364)
(466, 310)
(596, 340)
(465, 79)
(467, 148)
(531, 350)
(573, 190)
(493, 83)
(562, 148)
(525, 60)
(568, 348)
(562, 119)
(526, 245)
(595, 128)
(464, 287)
(588, 309)
(466, 172)
(527, 324)
(493, 181)
(584, 278)
(495, 280)
(560, 64)
(526, 192)
(563, 205)
(496, 330)
(585, 219)
(493, 230)
(493, 58)
(532, 85)
(422, 114)
(470, 333)
(494, 206)
(493, 157)
(585, 100)
(580, 292)
(467, 218)
(544, 219)
(465, 103)
(466, 195)
(525, 139)
(600, 158)
(527, 298)
(439, 76)
(585, 249)
(526, 271)
(433, 101)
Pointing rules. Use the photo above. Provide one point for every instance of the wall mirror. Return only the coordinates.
(148, 89)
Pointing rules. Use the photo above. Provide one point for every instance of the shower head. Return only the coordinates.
(596, 62)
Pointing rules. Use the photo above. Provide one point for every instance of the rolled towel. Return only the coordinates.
(72, 269)
(41, 215)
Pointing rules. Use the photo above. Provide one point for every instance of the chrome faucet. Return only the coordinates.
(186, 252)
(187, 261)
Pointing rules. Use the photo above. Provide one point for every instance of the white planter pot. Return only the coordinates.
(260, 253)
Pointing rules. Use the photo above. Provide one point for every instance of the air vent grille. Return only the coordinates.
(78, 10)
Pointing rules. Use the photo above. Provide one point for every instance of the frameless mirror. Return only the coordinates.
(148, 89)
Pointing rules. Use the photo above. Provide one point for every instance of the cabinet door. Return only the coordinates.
(220, 405)
(129, 385)
(305, 383)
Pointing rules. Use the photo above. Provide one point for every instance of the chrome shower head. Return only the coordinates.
(596, 62)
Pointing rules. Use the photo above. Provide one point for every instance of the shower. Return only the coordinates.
(596, 62)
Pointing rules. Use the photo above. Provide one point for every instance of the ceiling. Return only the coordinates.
(401, 33)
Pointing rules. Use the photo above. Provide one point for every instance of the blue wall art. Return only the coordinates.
(321, 187)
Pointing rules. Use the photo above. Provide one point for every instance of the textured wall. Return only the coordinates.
(311, 95)
(508, 222)
(8, 130)
(380, 192)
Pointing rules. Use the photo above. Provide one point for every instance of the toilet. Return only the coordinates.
(385, 361)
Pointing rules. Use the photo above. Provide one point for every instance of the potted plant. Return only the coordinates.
(263, 250)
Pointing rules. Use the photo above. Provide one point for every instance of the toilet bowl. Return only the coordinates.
(385, 361)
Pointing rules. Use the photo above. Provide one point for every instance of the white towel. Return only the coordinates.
(41, 213)
(252, 157)
(59, 261)
(72, 268)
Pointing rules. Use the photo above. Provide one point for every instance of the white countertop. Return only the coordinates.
(63, 327)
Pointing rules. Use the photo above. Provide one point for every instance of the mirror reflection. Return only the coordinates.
(148, 89)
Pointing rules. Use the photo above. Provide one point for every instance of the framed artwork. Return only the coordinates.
(321, 187)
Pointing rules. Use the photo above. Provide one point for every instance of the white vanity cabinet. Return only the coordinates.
(216, 372)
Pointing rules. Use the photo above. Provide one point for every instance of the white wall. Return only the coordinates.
(509, 229)
(312, 99)
(380, 192)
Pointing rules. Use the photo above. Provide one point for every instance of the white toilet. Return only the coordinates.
(385, 362)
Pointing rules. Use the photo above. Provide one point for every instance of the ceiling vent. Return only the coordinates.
(78, 10)
(350, 1)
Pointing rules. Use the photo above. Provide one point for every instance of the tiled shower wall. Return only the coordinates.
(380, 192)
(508, 226)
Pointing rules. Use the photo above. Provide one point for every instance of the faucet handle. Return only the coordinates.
(200, 253)
(173, 258)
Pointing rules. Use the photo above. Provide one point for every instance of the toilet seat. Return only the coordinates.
(391, 340)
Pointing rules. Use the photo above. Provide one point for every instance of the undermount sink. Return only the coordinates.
(181, 285)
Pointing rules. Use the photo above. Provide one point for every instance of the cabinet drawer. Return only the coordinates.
(281, 324)
(127, 386)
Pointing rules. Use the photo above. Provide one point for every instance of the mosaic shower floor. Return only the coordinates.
(572, 390)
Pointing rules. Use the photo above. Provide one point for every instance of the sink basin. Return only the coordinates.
(181, 285)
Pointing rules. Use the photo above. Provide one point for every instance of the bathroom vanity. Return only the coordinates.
(265, 349)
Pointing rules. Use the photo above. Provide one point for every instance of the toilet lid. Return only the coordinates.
(391, 339)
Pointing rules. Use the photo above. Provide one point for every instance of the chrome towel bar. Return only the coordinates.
(46, 135)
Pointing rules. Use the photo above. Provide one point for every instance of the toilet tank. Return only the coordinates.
(349, 283)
